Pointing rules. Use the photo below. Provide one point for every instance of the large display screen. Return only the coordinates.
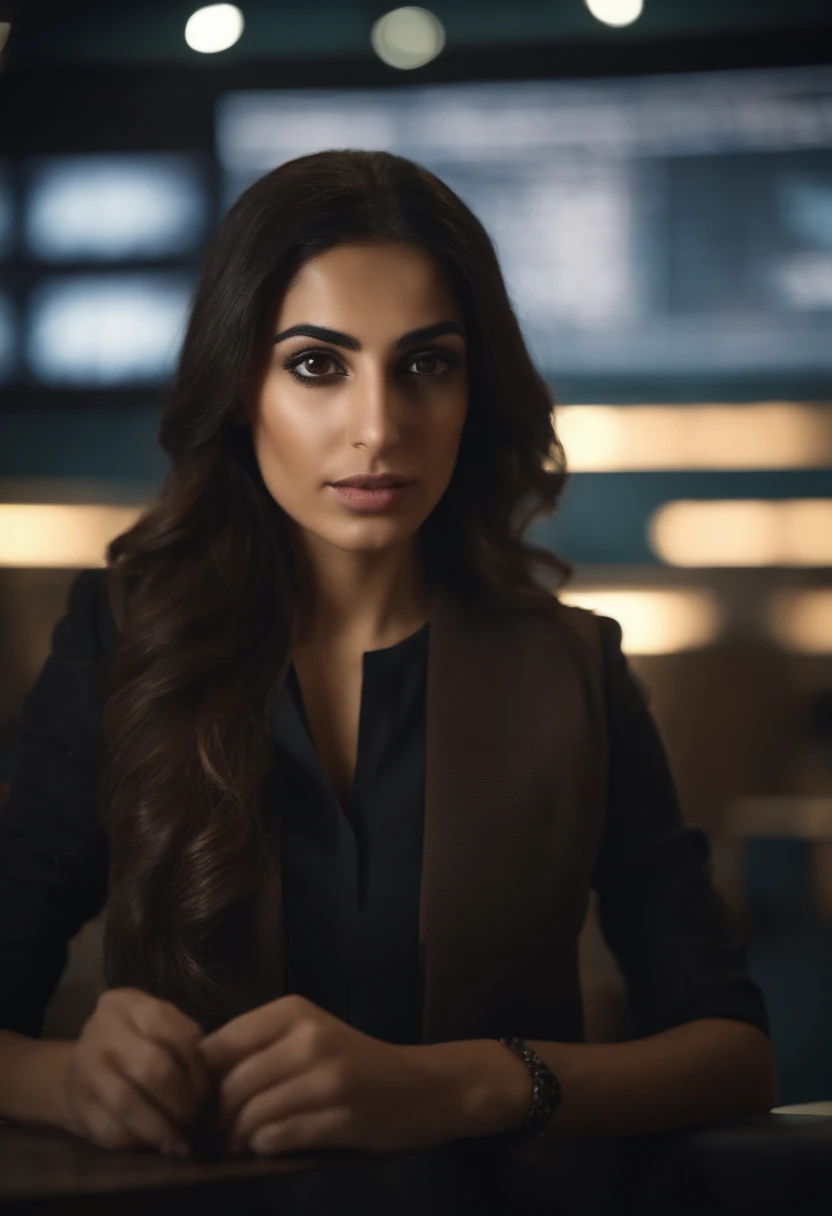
(8, 335)
(6, 218)
(102, 251)
(664, 225)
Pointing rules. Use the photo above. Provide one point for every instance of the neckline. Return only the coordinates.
(372, 655)
(381, 650)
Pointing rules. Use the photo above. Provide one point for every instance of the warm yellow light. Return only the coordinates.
(654, 620)
(60, 534)
(763, 435)
(807, 532)
(802, 620)
(794, 532)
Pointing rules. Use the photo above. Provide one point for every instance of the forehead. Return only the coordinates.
(373, 280)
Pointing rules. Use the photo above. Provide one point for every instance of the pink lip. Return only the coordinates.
(360, 498)
(382, 482)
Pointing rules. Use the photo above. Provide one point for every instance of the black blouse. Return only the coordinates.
(351, 884)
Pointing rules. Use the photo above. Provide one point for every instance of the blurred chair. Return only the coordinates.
(786, 846)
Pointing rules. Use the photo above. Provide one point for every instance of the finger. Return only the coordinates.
(157, 1074)
(162, 1023)
(310, 1093)
(105, 1130)
(156, 1015)
(252, 1031)
(133, 1111)
(270, 1069)
(199, 1076)
(306, 1133)
(182, 1042)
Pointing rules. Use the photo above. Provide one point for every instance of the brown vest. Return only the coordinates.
(515, 786)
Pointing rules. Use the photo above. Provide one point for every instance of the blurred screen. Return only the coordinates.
(114, 207)
(670, 225)
(114, 329)
(5, 213)
(8, 333)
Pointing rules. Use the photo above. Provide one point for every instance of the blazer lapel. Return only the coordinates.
(513, 807)
(512, 821)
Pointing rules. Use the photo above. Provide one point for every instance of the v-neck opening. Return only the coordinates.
(351, 875)
(411, 637)
(369, 658)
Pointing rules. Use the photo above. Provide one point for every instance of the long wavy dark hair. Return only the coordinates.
(201, 588)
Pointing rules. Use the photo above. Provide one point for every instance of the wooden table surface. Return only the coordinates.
(42, 1169)
(757, 1163)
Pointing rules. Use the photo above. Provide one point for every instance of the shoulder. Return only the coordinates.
(594, 639)
(69, 687)
(606, 627)
(626, 692)
(602, 633)
(85, 630)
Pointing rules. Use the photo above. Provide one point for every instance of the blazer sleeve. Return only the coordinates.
(659, 911)
(53, 853)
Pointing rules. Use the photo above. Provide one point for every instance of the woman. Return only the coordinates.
(453, 759)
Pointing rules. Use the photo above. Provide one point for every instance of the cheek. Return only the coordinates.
(296, 444)
(291, 446)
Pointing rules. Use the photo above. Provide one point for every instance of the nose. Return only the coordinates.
(374, 410)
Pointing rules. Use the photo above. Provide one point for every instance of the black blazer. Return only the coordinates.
(660, 913)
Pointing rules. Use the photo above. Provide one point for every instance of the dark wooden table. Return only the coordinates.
(42, 1170)
(759, 1165)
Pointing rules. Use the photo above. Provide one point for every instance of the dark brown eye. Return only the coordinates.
(433, 357)
(308, 374)
(313, 363)
(429, 359)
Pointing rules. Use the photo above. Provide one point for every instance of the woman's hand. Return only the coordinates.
(294, 1078)
(134, 1078)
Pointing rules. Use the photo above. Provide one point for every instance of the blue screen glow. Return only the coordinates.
(662, 225)
(8, 337)
(106, 330)
(115, 207)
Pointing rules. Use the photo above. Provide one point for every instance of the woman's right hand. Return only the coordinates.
(133, 1077)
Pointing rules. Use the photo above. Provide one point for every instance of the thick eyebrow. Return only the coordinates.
(338, 339)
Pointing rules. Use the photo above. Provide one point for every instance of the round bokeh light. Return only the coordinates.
(214, 28)
(407, 37)
(616, 12)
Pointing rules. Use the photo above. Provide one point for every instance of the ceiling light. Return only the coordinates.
(214, 28)
(616, 12)
(789, 532)
(761, 435)
(407, 37)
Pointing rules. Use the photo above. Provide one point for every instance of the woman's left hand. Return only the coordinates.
(294, 1078)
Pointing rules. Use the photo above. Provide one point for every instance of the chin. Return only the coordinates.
(369, 534)
(372, 540)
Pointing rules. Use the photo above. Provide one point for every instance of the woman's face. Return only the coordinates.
(371, 395)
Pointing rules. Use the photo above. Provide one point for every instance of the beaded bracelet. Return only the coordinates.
(546, 1098)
